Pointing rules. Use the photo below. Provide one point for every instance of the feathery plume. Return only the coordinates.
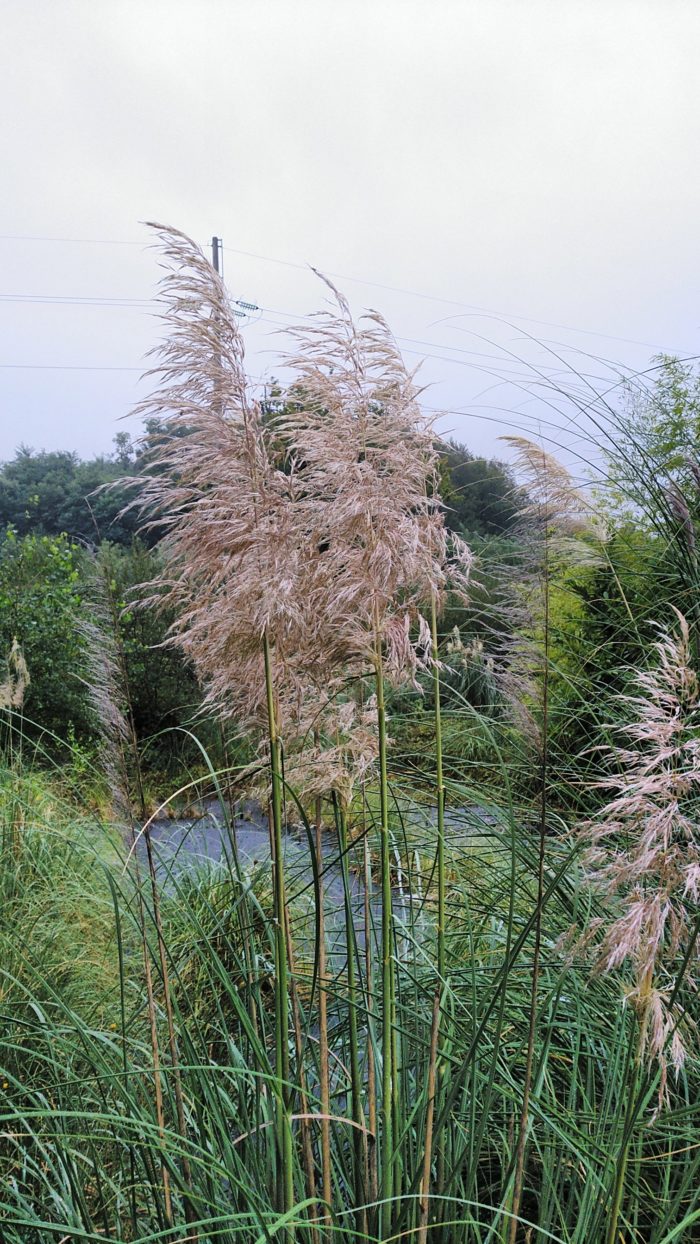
(341, 757)
(552, 497)
(644, 844)
(558, 532)
(311, 528)
(367, 466)
(694, 466)
(13, 689)
(233, 548)
(679, 508)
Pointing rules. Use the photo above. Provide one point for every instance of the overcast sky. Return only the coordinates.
(482, 171)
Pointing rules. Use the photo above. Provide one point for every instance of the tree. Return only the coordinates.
(657, 436)
(163, 689)
(52, 493)
(654, 474)
(41, 598)
(481, 495)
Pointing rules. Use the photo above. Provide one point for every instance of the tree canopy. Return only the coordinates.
(50, 493)
(55, 492)
(480, 494)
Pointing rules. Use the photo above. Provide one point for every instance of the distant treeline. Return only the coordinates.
(67, 535)
(53, 493)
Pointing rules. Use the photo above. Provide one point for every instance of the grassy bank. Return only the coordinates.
(85, 1155)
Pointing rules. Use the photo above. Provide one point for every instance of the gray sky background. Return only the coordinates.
(488, 160)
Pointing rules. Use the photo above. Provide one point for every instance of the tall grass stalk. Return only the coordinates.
(108, 684)
(429, 1120)
(621, 1163)
(537, 932)
(323, 1042)
(439, 792)
(388, 988)
(304, 1122)
(453, 1088)
(372, 1153)
(190, 1214)
(354, 1007)
(282, 1075)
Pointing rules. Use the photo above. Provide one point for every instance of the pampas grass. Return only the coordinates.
(299, 554)
(644, 846)
(643, 857)
(283, 1067)
(13, 689)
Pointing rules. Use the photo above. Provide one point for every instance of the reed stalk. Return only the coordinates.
(542, 838)
(429, 1120)
(388, 1088)
(304, 1122)
(353, 1001)
(190, 1214)
(324, 1075)
(440, 793)
(440, 799)
(153, 1036)
(282, 1079)
(110, 682)
(618, 1189)
(372, 1169)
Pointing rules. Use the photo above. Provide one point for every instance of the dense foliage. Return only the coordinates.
(56, 493)
(41, 604)
(54, 508)
(451, 995)
(480, 495)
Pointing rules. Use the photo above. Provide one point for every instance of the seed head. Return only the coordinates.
(13, 689)
(644, 845)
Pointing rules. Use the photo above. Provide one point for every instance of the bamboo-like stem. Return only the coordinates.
(440, 792)
(440, 796)
(355, 1071)
(429, 1120)
(324, 1074)
(372, 1171)
(387, 1109)
(304, 1122)
(282, 1091)
(396, 1087)
(623, 1157)
(534, 988)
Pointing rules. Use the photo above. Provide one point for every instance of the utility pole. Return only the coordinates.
(241, 308)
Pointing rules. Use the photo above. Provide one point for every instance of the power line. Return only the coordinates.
(65, 367)
(471, 308)
(396, 289)
(95, 367)
(285, 316)
(32, 237)
(78, 301)
(501, 368)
